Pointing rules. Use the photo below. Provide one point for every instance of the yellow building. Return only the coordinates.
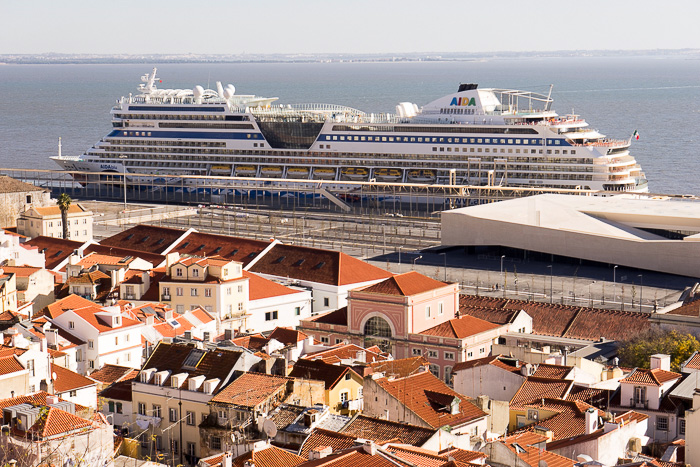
(343, 385)
(215, 284)
(46, 221)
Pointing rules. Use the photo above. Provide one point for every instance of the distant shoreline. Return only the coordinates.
(115, 59)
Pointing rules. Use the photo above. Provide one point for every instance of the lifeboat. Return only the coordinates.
(223, 169)
(421, 175)
(324, 173)
(387, 175)
(355, 173)
(298, 172)
(245, 171)
(271, 171)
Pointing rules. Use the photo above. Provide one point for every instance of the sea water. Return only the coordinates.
(657, 95)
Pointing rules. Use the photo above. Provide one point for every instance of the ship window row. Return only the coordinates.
(503, 150)
(169, 117)
(134, 142)
(436, 129)
(227, 126)
(433, 139)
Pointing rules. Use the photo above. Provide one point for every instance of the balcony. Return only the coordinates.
(165, 298)
(639, 404)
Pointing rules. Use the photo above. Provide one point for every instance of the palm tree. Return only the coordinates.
(63, 203)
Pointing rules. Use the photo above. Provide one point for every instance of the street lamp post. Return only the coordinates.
(551, 283)
(414, 261)
(444, 260)
(641, 290)
(590, 294)
(614, 282)
(502, 282)
(124, 178)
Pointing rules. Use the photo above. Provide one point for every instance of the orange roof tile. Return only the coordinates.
(57, 422)
(56, 211)
(250, 389)
(55, 249)
(71, 302)
(546, 370)
(260, 288)
(534, 389)
(417, 456)
(270, 456)
(109, 373)
(406, 284)
(399, 368)
(319, 370)
(500, 361)
(426, 396)
(321, 438)
(569, 420)
(655, 377)
(149, 238)
(461, 328)
(380, 431)
(67, 380)
(21, 271)
(97, 322)
(37, 398)
(287, 336)
(341, 352)
(10, 364)
(534, 456)
(693, 362)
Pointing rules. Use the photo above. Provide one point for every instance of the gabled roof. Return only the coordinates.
(121, 390)
(461, 328)
(123, 252)
(97, 321)
(340, 352)
(270, 456)
(287, 336)
(317, 265)
(693, 363)
(11, 185)
(569, 419)
(427, 397)
(55, 249)
(534, 389)
(260, 288)
(37, 398)
(149, 238)
(21, 271)
(321, 438)
(415, 455)
(319, 370)
(254, 342)
(533, 455)
(547, 370)
(10, 364)
(406, 284)
(499, 361)
(239, 249)
(46, 211)
(71, 302)
(250, 389)
(58, 421)
(379, 430)
(398, 368)
(338, 317)
(67, 380)
(655, 377)
(92, 278)
(109, 373)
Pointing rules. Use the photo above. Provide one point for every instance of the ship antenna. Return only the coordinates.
(59, 146)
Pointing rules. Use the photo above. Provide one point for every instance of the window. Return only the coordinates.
(71, 324)
(640, 394)
(174, 446)
(427, 311)
(190, 418)
(190, 450)
(142, 408)
(440, 309)
(377, 326)
(172, 416)
(325, 340)
(448, 375)
(271, 316)
(417, 351)
(194, 292)
(470, 354)
(662, 423)
(207, 292)
(240, 307)
(159, 443)
(166, 291)
(180, 309)
(343, 397)
(32, 388)
(156, 410)
(116, 340)
(228, 290)
(432, 354)
(347, 376)
(91, 364)
(681, 426)
(178, 272)
(297, 310)
(338, 341)
(435, 370)
(178, 291)
(216, 443)
(73, 394)
(240, 289)
(449, 356)
(482, 350)
(110, 404)
(119, 407)
(326, 301)
(30, 367)
(195, 273)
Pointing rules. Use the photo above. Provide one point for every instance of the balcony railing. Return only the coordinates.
(639, 404)
(165, 297)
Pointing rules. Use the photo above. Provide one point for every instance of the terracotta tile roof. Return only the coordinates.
(109, 373)
(11, 185)
(74, 208)
(687, 309)
(406, 284)
(534, 389)
(7, 350)
(218, 363)
(166, 329)
(463, 455)
(500, 361)
(270, 456)
(693, 363)
(37, 398)
(559, 320)
(287, 336)
(461, 328)
(426, 396)
(97, 322)
(526, 438)
(10, 364)
(149, 238)
(229, 248)
(67, 380)
(341, 352)
(320, 438)
(599, 398)
(338, 317)
(398, 368)
(253, 342)
(55, 249)
(546, 370)
(316, 265)
(415, 455)
(92, 278)
(120, 390)
(378, 430)
(123, 252)
(250, 389)
(58, 421)
(357, 456)
(21, 271)
(285, 414)
(631, 416)
(655, 377)
(71, 302)
(533, 456)
(260, 288)
(569, 420)
(319, 370)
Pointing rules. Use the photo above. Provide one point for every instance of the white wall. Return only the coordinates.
(284, 305)
(487, 380)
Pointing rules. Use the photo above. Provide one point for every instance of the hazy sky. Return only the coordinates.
(327, 26)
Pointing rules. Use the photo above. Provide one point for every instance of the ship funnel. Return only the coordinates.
(219, 89)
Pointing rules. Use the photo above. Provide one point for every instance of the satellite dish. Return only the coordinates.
(270, 428)
(53, 376)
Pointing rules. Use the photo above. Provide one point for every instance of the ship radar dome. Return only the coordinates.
(229, 91)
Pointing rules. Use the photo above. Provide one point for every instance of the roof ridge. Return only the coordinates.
(571, 321)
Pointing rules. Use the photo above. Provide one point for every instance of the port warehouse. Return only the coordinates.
(655, 233)
(370, 197)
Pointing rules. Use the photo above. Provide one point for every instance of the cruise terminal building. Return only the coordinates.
(638, 231)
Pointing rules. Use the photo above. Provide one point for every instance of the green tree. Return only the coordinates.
(63, 203)
(636, 351)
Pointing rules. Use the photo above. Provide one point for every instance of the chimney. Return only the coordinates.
(227, 460)
(188, 335)
(370, 448)
(170, 259)
(206, 336)
(228, 334)
(661, 361)
(51, 400)
(362, 356)
(591, 420)
(526, 369)
(320, 452)
(51, 338)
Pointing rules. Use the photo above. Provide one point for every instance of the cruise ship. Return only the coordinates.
(474, 136)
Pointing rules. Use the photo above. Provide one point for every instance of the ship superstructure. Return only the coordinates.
(472, 137)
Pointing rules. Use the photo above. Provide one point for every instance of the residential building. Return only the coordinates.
(171, 395)
(343, 386)
(8, 291)
(496, 376)
(422, 399)
(295, 423)
(34, 284)
(14, 250)
(47, 221)
(261, 455)
(117, 403)
(73, 387)
(16, 197)
(273, 305)
(523, 450)
(46, 430)
(14, 376)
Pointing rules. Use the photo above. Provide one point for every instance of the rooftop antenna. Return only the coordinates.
(549, 97)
